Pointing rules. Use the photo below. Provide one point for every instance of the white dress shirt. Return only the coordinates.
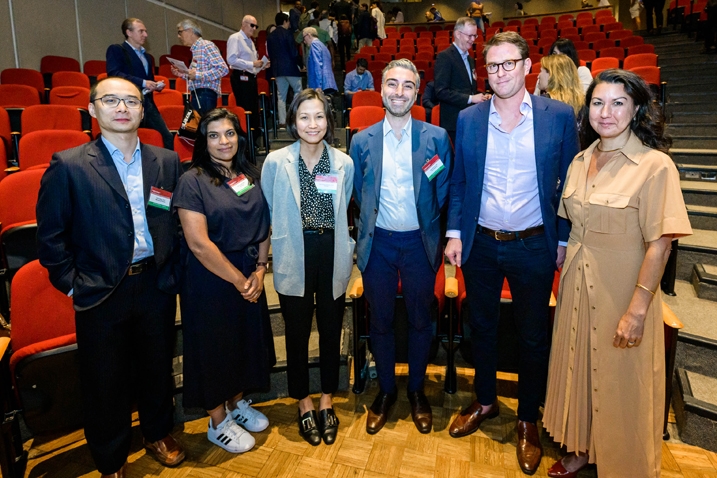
(241, 53)
(397, 203)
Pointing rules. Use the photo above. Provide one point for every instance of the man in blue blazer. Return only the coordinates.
(512, 155)
(109, 239)
(131, 62)
(285, 63)
(401, 185)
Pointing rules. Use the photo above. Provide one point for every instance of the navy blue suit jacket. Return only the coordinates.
(85, 232)
(367, 154)
(133, 71)
(283, 54)
(556, 144)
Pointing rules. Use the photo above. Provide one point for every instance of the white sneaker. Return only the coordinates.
(230, 436)
(253, 420)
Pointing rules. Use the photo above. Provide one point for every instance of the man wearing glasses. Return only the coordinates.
(244, 62)
(455, 76)
(512, 155)
(107, 236)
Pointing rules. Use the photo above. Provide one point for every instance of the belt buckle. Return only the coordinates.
(495, 235)
(320, 230)
(135, 269)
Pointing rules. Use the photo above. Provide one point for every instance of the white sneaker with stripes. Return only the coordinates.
(230, 436)
(253, 420)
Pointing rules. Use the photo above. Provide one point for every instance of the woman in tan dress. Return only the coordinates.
(606, 384)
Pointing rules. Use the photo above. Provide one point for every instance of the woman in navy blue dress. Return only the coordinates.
(228, 345)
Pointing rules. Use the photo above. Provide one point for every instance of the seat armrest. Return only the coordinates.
(356, 290)
(669, 317)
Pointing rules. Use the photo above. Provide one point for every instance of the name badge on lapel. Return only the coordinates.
(432, 167)
(240, 185)
(327, 183)
(159, 198)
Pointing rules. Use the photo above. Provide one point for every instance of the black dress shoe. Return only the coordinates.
(378, 413)
(328, 425)
(421, 411)
(308, 429)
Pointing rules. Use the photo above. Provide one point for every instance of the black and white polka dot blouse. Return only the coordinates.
(317, 209)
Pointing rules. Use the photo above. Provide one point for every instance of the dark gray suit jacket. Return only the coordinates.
(452, 85)
(85, 231)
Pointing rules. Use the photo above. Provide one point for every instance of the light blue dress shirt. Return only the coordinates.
(142, 58)
(355, 82)
(131, 176)
(397, 205)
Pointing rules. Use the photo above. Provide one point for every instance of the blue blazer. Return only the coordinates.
(133, 71)
(431, 196)
(556, 144)
(284, 56)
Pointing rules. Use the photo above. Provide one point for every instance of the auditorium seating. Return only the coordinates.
(92, 68)
(604, 63)
(23, 76)
(37, 147)
(40, 117)
(184, 149)
(361, 117)
(367, 98)
(70, 95)
(172, 115)
(51, 64)
(168, 97)
(642, 59)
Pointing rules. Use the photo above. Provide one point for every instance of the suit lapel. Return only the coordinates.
(418, 147)
(339, 180)
(482, 143)
(292, 171)
(101, 160)
(459, 61)
(375, 145)
(472, 64)
(542, 127)
(150, 171)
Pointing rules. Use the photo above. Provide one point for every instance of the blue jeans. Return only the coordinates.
(529, 268)
(204, 100)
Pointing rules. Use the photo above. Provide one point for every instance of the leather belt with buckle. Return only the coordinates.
(141, 266)
(511, 235)
(319, 230)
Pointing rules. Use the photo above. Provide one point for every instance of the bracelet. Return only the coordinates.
(643, 287)
(264, 264)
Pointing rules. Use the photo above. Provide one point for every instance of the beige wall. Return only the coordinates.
(50, 27)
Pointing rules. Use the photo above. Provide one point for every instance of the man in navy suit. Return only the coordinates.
(401, 184)
(285, 61)
(109, 239)
(131, 62)
(512, 155)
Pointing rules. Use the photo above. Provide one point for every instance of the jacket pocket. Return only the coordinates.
(280, 251)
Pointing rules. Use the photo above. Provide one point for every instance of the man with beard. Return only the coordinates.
(402, 167)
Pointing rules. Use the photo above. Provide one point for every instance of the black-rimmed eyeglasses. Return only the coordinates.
(131, 102)
(508, 65)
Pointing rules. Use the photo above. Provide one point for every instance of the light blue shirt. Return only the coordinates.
(142, 58)
(131, 176)
(355, 82)
(464, 55)
(397, 205)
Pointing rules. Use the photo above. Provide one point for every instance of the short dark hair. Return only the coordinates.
(313, 23)
(202, 161)
(362, 62)
(93, 88)
(306, 95)
(648, 123)
(566, 47)
(508, 37)
(280, 18)
(127, 25)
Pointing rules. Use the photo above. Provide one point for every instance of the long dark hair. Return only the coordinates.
(202, 161)
(647, 124)
(566, 47)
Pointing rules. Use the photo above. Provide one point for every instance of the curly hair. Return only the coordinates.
(563, 83)
(202, 161)
(648, 123)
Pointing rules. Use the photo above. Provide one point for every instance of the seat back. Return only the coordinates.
(651, 74)
(168, 97)
(604, 63)
(436, 115)
(18, 198)
(637, 49)
(70, 95)
(418, 112)
(172, 115)
(150, 136)
(620, 35)
(37, 147)
(5, 130)
(94, 67)
(615, 52)
(23, 76)
(52, 64)
(39, 117)
(367, 98)
(635, 41)
(184, 149)
(18, 96)
(364, 116)
(70, 78)
(642, 59)
(587, 55)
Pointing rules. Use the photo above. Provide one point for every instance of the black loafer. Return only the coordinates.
(308, 429)
(329, 425)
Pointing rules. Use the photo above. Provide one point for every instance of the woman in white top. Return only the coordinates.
(565, 46)
(377, 13)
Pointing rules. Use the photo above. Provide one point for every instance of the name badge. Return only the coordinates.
(159, 198)
(327, 184)
(240, 184)
(243, 78)
(432, 167)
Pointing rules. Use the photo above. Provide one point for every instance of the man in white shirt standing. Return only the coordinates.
(512, 156)
(243, 60)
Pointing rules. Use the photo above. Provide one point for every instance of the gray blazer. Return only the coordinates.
(280, 184)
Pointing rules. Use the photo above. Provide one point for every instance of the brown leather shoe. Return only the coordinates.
(421, 411)
(117, 474)
(470, 419)
(378, 413)
(167, 451)
(529, 450)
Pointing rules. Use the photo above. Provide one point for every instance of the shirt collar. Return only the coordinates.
(140, 49)
(633, 150)
(525, 106)
(196, 44)
(464, 54)
(113, 150)
(405, 131)
(241, 32)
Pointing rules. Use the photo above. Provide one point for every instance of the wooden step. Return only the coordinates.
(695, 404)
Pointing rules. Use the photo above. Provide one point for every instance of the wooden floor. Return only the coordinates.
(397, 450)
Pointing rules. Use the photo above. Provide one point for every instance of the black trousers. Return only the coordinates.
(344, 50)
(153, 120)
(246, 94)
(655, 6)
(125, 347)
(298, 315)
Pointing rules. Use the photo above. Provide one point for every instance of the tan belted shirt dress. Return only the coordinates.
(604, 400)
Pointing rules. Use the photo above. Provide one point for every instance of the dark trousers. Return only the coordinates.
(344, 50)
(125, 347)
(204, 100)
(153, 120)
(246, 94)
(298, 315)
(711, 28)
(529, 268)
(394, 253)
(655, 6)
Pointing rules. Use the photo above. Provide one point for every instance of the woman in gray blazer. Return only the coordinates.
(308, 187)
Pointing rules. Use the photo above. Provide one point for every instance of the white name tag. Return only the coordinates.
(159, 198)
(327, 183)
(433, 167)
(240, 184)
